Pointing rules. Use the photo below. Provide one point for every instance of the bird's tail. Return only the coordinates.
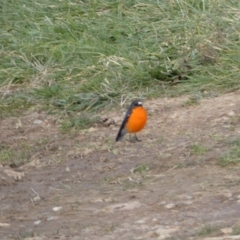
(121, 134)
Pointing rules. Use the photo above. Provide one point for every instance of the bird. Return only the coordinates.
(134, 121)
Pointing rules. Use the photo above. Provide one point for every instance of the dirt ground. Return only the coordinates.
(177, 183)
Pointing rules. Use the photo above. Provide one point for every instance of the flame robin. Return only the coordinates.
(134, 120)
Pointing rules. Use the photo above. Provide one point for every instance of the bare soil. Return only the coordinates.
(82, 185)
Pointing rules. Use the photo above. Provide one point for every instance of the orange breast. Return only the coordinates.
(137, 120)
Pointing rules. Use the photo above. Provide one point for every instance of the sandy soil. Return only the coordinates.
(83, 185)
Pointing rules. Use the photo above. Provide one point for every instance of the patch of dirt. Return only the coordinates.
(86, 186)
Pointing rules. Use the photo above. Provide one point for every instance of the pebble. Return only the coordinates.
(37, 222)
(232, 113)
(37, 121)
(37, 198)
(170, 205)
(56, 209)
(4, 224)
(52, 218)
(188, 202)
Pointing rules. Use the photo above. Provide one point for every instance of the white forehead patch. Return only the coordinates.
(139, 103)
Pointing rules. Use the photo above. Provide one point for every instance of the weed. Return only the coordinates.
(198, 149)
(207, 230)
(79, 122)
(236, 230)
(233, 155)
(25, 235)
(192, 101)
(141, 169)
(6, 153)
(230, 157)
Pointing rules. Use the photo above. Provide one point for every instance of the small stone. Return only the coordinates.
(37, 121)
(86, 151)
(18, 124)
(141, 221)
(123, 206)
(170, 205)
(91, 129)
(226, 230)
(238, 197)
(4, 224)
(52, 218)
(56, 209)
(97, 200)
(37, 222)
(238, 201)
(67, 169)
(231, 113)
(37, 198)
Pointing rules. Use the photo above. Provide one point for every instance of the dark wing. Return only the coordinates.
(122, 131)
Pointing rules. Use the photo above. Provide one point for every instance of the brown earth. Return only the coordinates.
(171, 185)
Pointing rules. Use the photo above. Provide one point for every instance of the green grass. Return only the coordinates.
(232, 156)
(198, 149)
(76, 56)
(141, 169)
(17, 155)
(207, 230)
(236, 230)
(79, 122)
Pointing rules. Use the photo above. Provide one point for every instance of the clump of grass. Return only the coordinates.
(20, 153)
(14, 105)
(15, 156)
(79, 122)
(59, 51)
(141, 169)
(207, 230)
(232, 156)
(236, 230)
(192, 101)
(198, 149)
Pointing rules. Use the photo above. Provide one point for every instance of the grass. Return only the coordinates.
(16, 157)
(141, 169)
(236, 230)
(232, 156)
(20, 154)
(198, 149)
(207, 230)
(72, 56)
(79, 122)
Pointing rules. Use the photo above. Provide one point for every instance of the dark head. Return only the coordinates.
(135, 103)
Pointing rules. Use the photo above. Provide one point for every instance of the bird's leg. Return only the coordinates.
(135, 139)
(138, 140)
(130, 139)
